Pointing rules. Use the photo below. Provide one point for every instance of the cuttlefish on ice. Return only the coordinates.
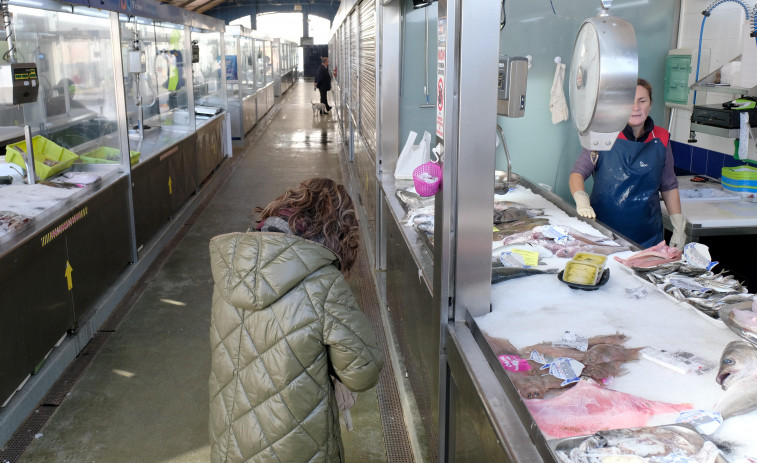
(738, 377)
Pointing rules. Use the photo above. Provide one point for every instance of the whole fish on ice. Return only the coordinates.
(738, 377)
(587, 408)
(658, 254)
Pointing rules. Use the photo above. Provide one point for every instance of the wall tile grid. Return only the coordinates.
(697, 160)
(722, 41)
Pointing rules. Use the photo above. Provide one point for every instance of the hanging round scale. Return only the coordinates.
(602, 79)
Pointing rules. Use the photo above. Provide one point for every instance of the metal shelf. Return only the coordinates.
(712, 130)
(727, 89)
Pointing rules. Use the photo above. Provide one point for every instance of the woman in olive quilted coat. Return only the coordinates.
(283, 320)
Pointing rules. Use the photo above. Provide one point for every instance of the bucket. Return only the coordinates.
(427, 178)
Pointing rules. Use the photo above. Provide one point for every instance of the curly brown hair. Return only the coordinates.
(320, 209)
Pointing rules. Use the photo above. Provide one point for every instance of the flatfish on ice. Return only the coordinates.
(587, 408)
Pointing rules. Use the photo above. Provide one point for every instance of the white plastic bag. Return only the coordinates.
(412, 156)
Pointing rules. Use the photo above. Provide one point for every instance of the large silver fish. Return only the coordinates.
(738, 377)
(414, 200)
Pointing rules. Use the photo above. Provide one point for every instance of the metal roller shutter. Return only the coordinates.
(354, 65)
(368, 73)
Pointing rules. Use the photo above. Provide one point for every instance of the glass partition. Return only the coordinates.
(247, 68)
(206, 74)
(260, 77)
(73, 121)
(154, 56)
(268, 61)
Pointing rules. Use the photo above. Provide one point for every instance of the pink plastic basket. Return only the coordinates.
(427, 178)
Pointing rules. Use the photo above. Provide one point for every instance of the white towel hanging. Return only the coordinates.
(557, 104)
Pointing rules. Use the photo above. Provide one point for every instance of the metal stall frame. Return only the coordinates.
(456, 277)
(102, 293)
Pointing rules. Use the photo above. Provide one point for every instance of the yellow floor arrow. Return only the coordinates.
(69, 271)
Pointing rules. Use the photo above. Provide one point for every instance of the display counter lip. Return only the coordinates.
(12, 241)
(422, 256)
(511, 392)
(201, 122)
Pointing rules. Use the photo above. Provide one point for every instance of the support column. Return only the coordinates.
(305, 28)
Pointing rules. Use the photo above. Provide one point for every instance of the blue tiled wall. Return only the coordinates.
(701, 161)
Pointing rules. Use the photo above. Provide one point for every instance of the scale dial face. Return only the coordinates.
(584, 77)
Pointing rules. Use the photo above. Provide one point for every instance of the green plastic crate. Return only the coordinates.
(44, 150)
(101, 156)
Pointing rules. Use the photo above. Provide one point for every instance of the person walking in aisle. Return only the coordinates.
(283, 322)
(323, 81)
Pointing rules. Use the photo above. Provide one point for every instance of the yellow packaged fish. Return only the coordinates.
(596, 259)
(581, 273)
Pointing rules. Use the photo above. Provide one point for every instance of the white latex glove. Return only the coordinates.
(583, 206)
(678, 240)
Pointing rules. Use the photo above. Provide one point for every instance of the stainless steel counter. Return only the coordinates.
(711, 210)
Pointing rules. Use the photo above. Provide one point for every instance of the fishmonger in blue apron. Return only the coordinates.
(627, 179)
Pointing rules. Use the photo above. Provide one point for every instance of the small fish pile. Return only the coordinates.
(660, 444)
(738, 377)
(10, 221)
(565, 241)
(422, 219)
(602, 360)
(707, 291)
(651, 257)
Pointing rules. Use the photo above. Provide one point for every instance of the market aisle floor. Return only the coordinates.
(144, 398)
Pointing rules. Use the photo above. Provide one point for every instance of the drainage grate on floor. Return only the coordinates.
(25, 434)
(398, 448)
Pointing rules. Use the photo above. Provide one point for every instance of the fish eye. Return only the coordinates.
(728, 361)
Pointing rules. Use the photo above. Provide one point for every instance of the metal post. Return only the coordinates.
(123, 129)
(31, 174)
(466, 83)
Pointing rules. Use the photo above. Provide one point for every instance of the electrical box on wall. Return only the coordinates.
(511, 86)
(18, 83)
(677, 72)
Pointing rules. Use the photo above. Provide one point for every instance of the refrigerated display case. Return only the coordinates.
(451, 320)
(264, 76)
(117, 152)
(66, 234)
(241, 78)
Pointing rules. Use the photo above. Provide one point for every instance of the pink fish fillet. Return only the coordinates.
(650, 257)
(588, 407)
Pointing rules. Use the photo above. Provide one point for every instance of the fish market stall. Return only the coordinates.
(94, 165)
(643, 386)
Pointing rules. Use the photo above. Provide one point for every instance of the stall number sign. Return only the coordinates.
(441, 59)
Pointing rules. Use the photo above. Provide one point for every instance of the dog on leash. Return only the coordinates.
(318, 108)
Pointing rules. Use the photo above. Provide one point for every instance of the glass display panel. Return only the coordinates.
(155, 83)
(268, 61)
(74, 115)
(247, 76)
(260, 66)
(206, 75)
(232, 72)
(275, 59)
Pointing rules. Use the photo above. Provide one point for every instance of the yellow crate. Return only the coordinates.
(44, 150)
(101, 156)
